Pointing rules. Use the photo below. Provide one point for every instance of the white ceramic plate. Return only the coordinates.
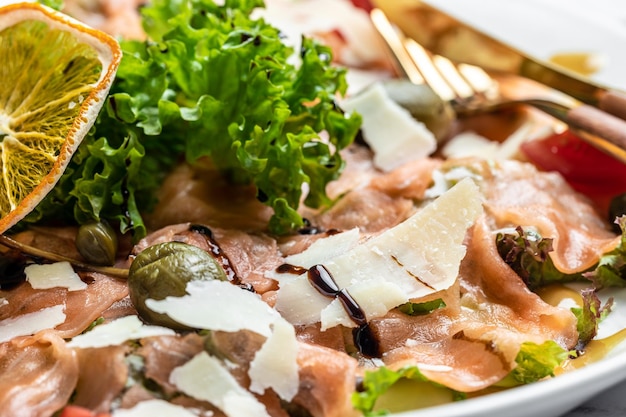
(555, 396)
(543, 28)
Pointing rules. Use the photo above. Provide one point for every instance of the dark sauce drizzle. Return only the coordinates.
(218, 254)
(310, 229)
(322, 280)
(291, 269)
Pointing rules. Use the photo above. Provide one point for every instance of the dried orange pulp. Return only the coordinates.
(56, 73)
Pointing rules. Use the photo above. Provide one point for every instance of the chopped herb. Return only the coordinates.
(420, 309)
(93, 324)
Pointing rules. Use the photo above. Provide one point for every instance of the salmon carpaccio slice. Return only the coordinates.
(467, 345)
(37, 375)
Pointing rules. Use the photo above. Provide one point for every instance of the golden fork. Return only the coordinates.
(472, 91)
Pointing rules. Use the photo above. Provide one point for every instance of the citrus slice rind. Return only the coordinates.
(56, 74)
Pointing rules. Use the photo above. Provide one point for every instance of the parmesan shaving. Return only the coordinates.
(325, 249)
(205, 378)
(31, 323)
(117, 332)
(279, 372)
(58, 274)
(420, 255)
(218, 305)
(391, 132)
(416, 258)
(298, 302)
(151, 408)
(375, 297)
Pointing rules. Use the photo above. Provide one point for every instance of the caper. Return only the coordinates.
(163, 270)
(423, 104)
(97, 243)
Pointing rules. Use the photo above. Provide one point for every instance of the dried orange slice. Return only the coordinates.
(56, 73)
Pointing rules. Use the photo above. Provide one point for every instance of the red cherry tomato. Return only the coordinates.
(587, 169)
(78, 411)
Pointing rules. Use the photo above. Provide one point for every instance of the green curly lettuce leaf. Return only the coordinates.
(534, 362)
(210, 82)
(611, 269)
(589, 316)
(379, 382)
(527, 254)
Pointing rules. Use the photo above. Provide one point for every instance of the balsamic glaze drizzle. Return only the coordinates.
(365, 341)
(322, 280)
(217, 252)
(291, 269)
(353, 309)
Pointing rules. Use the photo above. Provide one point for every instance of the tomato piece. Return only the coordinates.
(78, 411)
(363, 4)
(587, 169)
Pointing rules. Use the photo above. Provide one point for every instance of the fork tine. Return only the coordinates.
(430, 72)
(394, 41)
(461, 83)
(457, 82)
(475, 92)
(422, 67)
(479, 79)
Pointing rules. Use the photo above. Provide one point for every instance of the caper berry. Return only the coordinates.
(163, 270)
(423, 104)
(97, 243)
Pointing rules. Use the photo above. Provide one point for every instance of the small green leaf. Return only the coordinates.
(378, 382)
(589, 317)
(535, 362)
(611, 269)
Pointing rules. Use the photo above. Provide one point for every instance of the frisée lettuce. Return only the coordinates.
(210, 81)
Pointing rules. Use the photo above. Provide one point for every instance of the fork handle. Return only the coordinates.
(599, 123)
(613, 102)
